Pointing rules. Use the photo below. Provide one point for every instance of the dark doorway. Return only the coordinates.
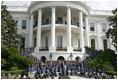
(43, 58)
(77, 59)
(60, 58)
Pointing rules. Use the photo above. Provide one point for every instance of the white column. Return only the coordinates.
(81, 31)
(52, 47)
(31, 30)
(87, 33)
(99, 40)
(69, 48)
(38, 44)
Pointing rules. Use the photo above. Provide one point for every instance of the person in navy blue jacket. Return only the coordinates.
(56, 71)
(29, 70)
(43, 71)
(52, 71)
(73, 70)
(94, 71)
(48, 73)
(103, 72)
(60, 71)
(78, 71)
(39, 71)
(69, 69)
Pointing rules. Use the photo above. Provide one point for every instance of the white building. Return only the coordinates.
(61, 29)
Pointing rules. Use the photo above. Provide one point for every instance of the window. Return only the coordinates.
(47, 21)
(59, 41)
(34, 42)
(71, 41)
(23, 24)
(78, 43)
(46, 42)
(59, 20)
(105, 43)
(103, 27)
(35, 24)
(93, 43)
(23, 43)
(92, 26)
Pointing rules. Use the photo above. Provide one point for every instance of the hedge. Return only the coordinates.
(17, 72)
(106, 60)
(111, 73)
(15, 59)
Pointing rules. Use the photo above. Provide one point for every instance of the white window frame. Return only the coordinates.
(94, 27)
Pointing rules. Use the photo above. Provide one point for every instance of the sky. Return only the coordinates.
(100, 5)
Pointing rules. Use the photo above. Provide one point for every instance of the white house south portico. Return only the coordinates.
(52, 46)
(62, 29)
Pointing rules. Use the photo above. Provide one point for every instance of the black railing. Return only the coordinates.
(61, 22)
(44, 22)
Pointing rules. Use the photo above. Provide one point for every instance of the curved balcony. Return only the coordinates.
(64, 22)
(60, 49)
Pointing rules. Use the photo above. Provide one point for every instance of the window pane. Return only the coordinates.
(34, 42)
(47, 21)
(91, 26)
(72, 42)
(93, 43)
(23, 24)
(46, 42)
(59, 41)
(23, 43)
(78, 43)
(59, 20)
(103, 26)
(105, 43)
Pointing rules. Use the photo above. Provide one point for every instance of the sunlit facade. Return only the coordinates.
(61, 29)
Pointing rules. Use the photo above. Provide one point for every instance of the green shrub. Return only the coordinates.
(17, 72)
(13, 68)
(95, 63)
(111, 73)
(107, 60)
(108, 66)
(15, 59)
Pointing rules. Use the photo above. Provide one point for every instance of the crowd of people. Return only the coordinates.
(14, 76)
(51, 69)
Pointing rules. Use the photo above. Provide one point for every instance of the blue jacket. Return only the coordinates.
(29, 69)
(48, 71)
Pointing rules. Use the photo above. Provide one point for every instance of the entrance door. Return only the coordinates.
(61, 58)
(43, 58)
(77, 59)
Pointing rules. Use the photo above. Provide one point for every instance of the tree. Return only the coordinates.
(9, 35)
(106, 60)
(15, 59)
(112, 32)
